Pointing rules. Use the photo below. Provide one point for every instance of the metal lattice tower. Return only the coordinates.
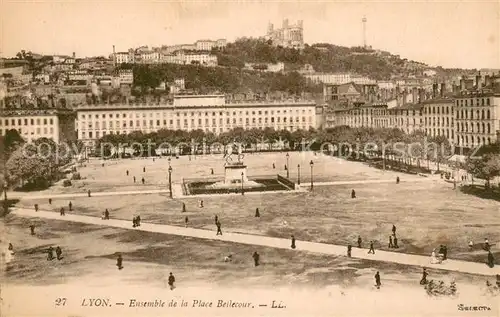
(364, 31)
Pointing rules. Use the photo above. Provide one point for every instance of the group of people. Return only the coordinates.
(438, 258)
(393, 239)
(50, 253)
(136, 221)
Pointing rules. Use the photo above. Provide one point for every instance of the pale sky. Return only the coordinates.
(447, 33)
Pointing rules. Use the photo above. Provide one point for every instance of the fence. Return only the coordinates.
(285, 181)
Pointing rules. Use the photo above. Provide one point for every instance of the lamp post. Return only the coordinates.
(5, 197)
(170, 180)
(298, 174)
(311, 164)
(287, 166)
(242, 188)
(169, 158)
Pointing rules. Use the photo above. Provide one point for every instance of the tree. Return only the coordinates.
(486, 167)
(26, 166)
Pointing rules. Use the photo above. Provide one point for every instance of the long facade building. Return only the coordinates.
(32, 124)
(210, 113)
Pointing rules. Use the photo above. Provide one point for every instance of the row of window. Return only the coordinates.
(26, 122)
(464, 140)
(98, 134)
(439, 132)
(464, 127)
(439, 121)
(37, 131)
(192, 113)
(464, 114)
(470, 102)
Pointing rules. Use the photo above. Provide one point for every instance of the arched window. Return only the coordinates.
(478, 129)
(466, 139)
(489, 140)
(478, 140)
(482, 114)
(483, 128)
(489, 131)
(488, 114)
(477, 114)
(472, 114)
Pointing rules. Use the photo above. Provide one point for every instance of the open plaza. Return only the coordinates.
(427, 211)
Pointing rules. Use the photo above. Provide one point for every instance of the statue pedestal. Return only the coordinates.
(233, 173)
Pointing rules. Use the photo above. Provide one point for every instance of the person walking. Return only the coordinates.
(119, 262)
(372, 249)
(377, 280)
(353, 194)
(36, 207)
(144, 169)
(186, 220)
(106, 214)
(349, 249)
(256, 258)
(70, 205)
(257, 213)
(50, 201)
(471, 245)
(50, 254)
(32, 229)
(274, 166)
(134, 222)
(359, 242)
(88, 193)
(143, 181)
(183, 207)
(394, 230)
(61, 211)
(293, 242)
(127, 172)
(491, 260)
(397, 180)
(219, 231)
(445, 252)
(138, 220)
(216, 219)
(134, 179)
(423, 281)
(171, 281)
(395, 241)
(390, 243)
(201, 203)
(58, 253)
(486, 245)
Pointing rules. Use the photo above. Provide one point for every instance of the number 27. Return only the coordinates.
(61, 301)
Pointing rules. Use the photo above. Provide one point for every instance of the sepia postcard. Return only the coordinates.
(249, 158)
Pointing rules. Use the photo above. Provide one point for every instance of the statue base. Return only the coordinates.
(235, 173)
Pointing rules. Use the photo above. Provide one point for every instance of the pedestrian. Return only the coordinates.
(119, 262)
(445, 252)
(211, 171)
(395, 241)
(423, 281)
(349, 248)
(201, 203)
(216, 219)
(62, 211)
(127, 172)
(397, 180)
(171, 281)
(372, 249)
(471, 245)
(491, 259)
(353, 194)
(88, 192)
(390, 242)
(106, 214)
(50, 201)
(70, 205)
(50, 254)
(498, 280)
(359, 242)
(285, 167)
(32, 228)
(102, 164)
(134, 222)
(153, 159)
(36, 207)
(219, 230)
(377, 280)
(393, 229)
(186, 220)
(58, 253)
(134, 179)
(138, 221)
(293, 242)
(257, 213)
(11, 247)
(486, 245)
(183, 207)
(274, 166)
(144, 169)
(256, 258)
(142, 181)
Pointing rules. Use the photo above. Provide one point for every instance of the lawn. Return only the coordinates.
(113, 176)
(425, 214)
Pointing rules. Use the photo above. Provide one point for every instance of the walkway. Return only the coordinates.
(322, 248)
(177, 190)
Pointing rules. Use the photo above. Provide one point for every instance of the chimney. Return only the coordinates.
(478, 81)
(443, 88)
(74, 55)
(434, 90)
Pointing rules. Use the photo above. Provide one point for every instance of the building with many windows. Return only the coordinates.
(289, 35)
(32, 124)
(210, 113)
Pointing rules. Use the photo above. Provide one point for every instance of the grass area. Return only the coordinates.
(482, 192)
(113, 176)
(425, 214)
(89, 252)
